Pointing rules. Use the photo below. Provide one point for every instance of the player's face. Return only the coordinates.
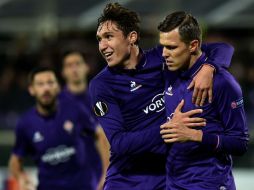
(45, 88)
(176, 53)
(113, 45)
(75, 69)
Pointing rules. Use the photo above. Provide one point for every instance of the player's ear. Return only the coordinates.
(87, 67)
(31, 90)
(63, 70)
(63, 73)
(133, 37)
(194, 45)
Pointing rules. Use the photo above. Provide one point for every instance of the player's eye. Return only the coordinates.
(98, 38)
(170, 47)
(51, 83)
(109, 36)
(39, 84)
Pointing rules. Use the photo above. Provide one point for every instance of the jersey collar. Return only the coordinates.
(190, 73)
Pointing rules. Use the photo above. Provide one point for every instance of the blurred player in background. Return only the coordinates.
(128, 99)
(75, 70)
(52, 133)
(206, 162)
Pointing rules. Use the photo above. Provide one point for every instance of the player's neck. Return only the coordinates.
(77, 88)
(194, 58)
(46, 110)
(134, 58)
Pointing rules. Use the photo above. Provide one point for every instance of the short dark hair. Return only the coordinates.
(37, 70)
(126, 20)
(73, 51)
(187, 24)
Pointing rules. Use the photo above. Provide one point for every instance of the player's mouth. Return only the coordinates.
(47, 97)
(169, 62)
(108, 55)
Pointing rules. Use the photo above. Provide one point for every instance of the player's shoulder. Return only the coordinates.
(102, 81)
(154, 51)
(154, 54)
(26, 117)
(71, 104)
(104, 73)
(152, 59)
(63, 94)
(70, 108)
(224, 81)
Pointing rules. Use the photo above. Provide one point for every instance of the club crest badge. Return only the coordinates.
(68, 126)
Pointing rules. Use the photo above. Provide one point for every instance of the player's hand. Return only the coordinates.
(186, 118)
(203, 85)
(175, 132)
(25, 183)
(178, 129)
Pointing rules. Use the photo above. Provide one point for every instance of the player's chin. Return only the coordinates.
(47, 102)
(112, 61)
(112, 64)
(76, 79)
(172, 68)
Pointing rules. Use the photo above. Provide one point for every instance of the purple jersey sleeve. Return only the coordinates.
(109, 115)
(219, 54)
(229, 103)
(22, 146)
